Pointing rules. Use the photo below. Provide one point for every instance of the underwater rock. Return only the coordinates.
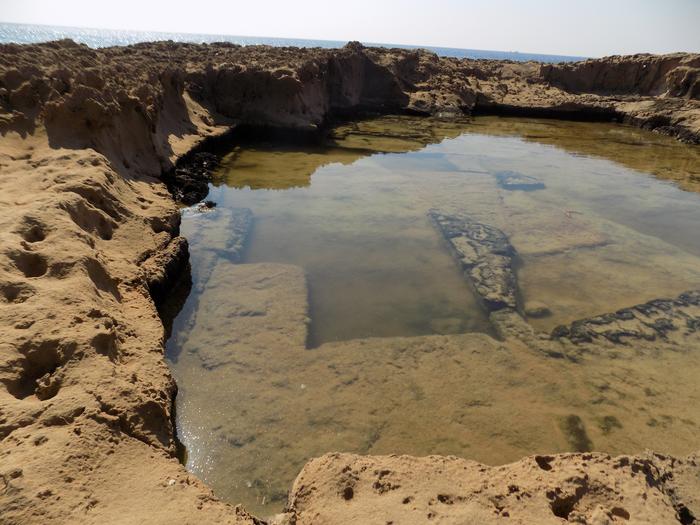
(553, 231)
(660, 319)
(189, 181)
(512, 180)
(484, 254)
(203, 207)
(217, 233)
(536, 309)
(509, 324)
(575, 432)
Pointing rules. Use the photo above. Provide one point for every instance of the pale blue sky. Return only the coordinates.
(566, 27)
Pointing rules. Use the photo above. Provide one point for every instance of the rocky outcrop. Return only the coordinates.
(91, 241)
(128, 102)
(189, 181)
(660, 319)
(673, 75)
(485, 256)
(513, 181)
(580, 488)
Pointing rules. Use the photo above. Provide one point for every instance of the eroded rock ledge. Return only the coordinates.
(90, 241)
(579, 488)
(78, 92)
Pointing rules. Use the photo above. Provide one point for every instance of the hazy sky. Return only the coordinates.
(566, 27)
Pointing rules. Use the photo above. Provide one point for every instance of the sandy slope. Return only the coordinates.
(88, 232)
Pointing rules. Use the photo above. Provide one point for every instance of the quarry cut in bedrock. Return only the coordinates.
(91, 140)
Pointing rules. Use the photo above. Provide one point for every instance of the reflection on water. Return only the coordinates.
(374, 265)
(341, 236)
(634, 148)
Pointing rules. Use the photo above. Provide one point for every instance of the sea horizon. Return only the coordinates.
(19, 33)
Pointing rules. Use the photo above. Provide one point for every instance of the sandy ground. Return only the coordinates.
(88, 233)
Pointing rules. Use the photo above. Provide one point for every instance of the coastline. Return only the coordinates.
(86, 138)
(18, 33)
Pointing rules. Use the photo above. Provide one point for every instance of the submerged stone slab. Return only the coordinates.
(250, 307)
(553, 231)
(217, 233)
(512, 180)
(536, 309)
(657, 320)
(484, 254)
(223, 230)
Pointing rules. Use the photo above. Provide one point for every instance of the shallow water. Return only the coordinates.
(610, 228)
(374, 265)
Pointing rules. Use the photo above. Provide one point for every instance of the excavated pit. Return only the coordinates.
(93, 246)
(283, 341)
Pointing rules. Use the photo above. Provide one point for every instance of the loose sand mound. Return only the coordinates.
(89, 241)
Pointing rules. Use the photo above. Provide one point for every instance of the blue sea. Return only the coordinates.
(27, 34)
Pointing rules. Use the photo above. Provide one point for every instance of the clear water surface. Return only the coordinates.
(399, 357)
